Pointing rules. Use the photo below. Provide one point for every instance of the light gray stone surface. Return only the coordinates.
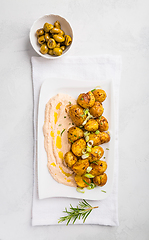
(100, 27)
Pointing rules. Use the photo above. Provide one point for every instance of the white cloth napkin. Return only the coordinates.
(104, 67)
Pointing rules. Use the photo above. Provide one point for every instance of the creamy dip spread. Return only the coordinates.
(57, 122)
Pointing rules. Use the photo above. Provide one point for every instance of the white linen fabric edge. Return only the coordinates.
(103, 67)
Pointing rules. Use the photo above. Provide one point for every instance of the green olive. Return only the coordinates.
(57, 24)
(57, 51)
(47, 37)
(63, 48)
(55, 30)
(68, 40)
(41, 39)
(58, 38)
(40, 32)
(43, 49)
(47, 27)
(50, 52)
(51, 43)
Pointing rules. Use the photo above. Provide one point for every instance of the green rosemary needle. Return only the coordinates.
(81, 211)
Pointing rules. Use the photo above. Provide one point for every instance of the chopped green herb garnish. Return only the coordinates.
(80, 190)
(107, 148)
(104, 157)
(69, 123)
(95, 162)
(69, 102)
(75, 135)
(71, 141)
(88, 175)
(97, 132)
(86, 182)
(90, 185)
(64, 116)
(60, 125)
(101, 123)
(103, 191)
(82, 99)
(93, 90)
(63, 131)
(100, 117)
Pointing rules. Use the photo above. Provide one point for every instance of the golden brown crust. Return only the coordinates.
(97, 110)
(103, 124)
(77, 115)
(86, 100)
(78, 146)
(80, 166)
(100, 180)
(95, 138)
(98, 168)
(79, 181)
(75, 133)
(91, 125)
(104, 137)
(100, 95)
(96, 154)
(70, 159)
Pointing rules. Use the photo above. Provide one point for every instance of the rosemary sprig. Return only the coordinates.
(81, 211)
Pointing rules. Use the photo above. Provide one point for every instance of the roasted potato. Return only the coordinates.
(80, 166)
(75, 133)
(77, 115)
(104, 137)
(96, 153)
(70, 159)
(103, 124)
(100, 180)
(97, 110)
(99, 95)
(98, 168)
(91, 125)
(78, 146)
(96, 139)
(86, 100)
(79, 181)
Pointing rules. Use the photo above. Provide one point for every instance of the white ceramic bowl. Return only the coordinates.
(51, 18)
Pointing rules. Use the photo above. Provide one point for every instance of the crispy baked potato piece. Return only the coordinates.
(96, 139)
(91, 125)
(86, 100)
(70, 159)
(100, 180)
(80, 166)
(96, 153)
(79, 181)
(77, 115)
(100, 95)
(104, 137)
(98, 168)
(97, 110)
(78, 146)
(75, 133)
(103, 124)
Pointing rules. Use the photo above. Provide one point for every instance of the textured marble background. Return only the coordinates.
(119, 27)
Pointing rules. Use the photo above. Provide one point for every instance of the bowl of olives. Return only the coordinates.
(51, 36)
